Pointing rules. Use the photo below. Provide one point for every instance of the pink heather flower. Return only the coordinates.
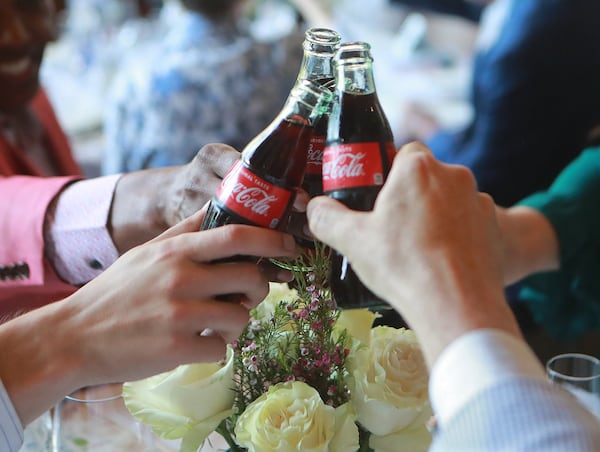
(290, 378)
(303, 314)
(326, 359)
(254, 358)
(235, 344)
(317, 351)
(337, 359)
(316, 325)
(311, 288)
(304, 351)
(331, 390)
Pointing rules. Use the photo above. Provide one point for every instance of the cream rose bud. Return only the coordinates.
(292, 417)
(388, 382)
(357, 323)
(188, 402)
(277, 292)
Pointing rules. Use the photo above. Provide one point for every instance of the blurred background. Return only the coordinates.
(420, 56)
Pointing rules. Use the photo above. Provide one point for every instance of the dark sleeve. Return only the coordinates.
(460, 8)
(567, 302)
(535, 95)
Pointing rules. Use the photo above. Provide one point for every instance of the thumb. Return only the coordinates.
(332, 222)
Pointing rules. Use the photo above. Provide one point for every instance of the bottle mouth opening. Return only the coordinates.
(353, 53)
(321, 40)
(323, 36)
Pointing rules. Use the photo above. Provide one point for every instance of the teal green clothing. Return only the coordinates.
(567, 302)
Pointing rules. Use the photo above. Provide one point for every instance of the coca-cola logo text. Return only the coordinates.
(345, 165)
(253, 198)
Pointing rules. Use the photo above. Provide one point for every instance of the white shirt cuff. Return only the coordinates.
(77, 241)
(11, 429)
(476, 361)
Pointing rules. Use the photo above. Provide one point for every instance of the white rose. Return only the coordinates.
(388, 382)
(407, 440)
(188, 402)
(292, 417)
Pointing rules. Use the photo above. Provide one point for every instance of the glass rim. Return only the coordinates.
(73, 398)
(588, 358)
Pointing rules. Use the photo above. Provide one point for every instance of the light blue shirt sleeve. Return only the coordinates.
(11, 430)
(474, 362)
(489, 392)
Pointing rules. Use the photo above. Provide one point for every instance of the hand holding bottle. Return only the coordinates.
(430, 247)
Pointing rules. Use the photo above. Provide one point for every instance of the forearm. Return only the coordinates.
(40, 359)
(530, 242)
(136, 215)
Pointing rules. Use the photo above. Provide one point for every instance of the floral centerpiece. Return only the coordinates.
(303, 376)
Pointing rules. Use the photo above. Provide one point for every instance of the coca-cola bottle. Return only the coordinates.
(320, 45)
(260, 188)
(357, 159)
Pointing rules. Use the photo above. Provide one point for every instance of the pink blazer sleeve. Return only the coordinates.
(27, 280)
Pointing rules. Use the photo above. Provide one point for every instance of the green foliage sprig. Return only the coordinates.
(297, 342)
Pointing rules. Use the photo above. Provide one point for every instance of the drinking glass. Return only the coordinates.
(579, 374)
(96, 419)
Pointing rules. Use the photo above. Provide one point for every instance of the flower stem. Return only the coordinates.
(224, 432)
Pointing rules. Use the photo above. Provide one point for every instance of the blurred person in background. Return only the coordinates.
(57, 230)
(208, 80)
(534, 92)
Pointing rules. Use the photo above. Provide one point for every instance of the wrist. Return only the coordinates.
(40, 359)
(138, 208)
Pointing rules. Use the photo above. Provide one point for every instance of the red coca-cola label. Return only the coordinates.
(314, 158)
(352, 165)
(252, 197)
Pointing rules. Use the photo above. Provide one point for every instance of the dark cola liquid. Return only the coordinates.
(360, 119)
(313, 179)
(278, 156)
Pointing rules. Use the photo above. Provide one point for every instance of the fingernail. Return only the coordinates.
(284, 276)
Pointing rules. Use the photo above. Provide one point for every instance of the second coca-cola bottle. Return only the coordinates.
(356, 160)
(320, 46)
(260, 189)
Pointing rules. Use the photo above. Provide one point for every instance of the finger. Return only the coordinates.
(301, 200)
(332, 222)
(193, 348)
(196, 316)
(190, 224)
(274, 272)
(232, 240)
(243, 278)
(414, 146)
